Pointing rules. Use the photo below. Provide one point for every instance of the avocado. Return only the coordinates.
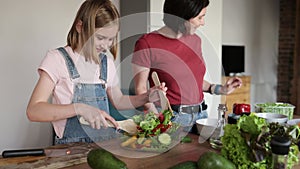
(212, 160)
(185, 165)
(99, 158)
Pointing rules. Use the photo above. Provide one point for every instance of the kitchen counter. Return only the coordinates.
(181, 152)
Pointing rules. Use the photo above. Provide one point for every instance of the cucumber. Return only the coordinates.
(212, 160)
(102, 159)
(164, 138)
(185, 165)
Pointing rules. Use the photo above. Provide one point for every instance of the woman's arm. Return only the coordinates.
(230, 85)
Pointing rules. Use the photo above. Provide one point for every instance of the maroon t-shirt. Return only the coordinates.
(178, 62)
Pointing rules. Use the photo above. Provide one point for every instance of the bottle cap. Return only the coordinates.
(233, 118)
(222, 107)
(280, 145)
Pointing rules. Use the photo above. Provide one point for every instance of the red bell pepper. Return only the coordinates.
(240, 108)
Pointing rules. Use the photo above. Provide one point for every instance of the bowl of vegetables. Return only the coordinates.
(279, 108)
(155, 133)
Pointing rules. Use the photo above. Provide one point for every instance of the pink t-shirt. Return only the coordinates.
(178, 62)
(54, 64)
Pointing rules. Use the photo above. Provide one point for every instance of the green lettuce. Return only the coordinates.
(239, 142)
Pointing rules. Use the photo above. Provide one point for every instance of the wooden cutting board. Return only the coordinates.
(43, 162)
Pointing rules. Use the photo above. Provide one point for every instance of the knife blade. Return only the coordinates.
(51, 152)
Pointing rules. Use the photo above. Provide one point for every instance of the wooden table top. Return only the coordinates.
(180, 153)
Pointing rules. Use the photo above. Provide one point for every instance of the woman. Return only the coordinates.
(80, 79)
(174, 52)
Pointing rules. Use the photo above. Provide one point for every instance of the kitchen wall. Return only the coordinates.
(30, 28)
(255, 24)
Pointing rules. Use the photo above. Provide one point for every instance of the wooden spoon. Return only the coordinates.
(164, 101)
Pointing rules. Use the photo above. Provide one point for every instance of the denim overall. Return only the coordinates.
(91, 94)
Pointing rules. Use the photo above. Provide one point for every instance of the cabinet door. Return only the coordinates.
(240, 95)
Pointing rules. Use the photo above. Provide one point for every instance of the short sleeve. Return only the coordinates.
(142, 54)
(54, 65)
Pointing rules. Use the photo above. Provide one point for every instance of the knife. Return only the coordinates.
(43, 152)
(127, 126)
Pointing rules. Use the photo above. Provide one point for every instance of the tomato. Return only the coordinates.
(161, 117)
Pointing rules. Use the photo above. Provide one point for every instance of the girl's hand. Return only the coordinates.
(231, 85)
(153, 92)
(94, 116)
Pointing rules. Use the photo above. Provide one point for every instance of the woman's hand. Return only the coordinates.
(153, 92)
(231, 85)
(95, 117)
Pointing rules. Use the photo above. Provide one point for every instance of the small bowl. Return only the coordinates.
(206, 127)
(273, 117)
(293, 122)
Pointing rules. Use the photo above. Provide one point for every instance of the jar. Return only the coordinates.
(280, 147)
(215, 139)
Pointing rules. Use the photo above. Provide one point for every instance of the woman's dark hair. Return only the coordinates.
(176, 12)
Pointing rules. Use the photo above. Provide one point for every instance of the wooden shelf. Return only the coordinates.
(240, 95)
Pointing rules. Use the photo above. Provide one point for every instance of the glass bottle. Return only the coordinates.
(215, 139)
(280, 149)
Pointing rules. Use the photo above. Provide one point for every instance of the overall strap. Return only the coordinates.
(70, 64)
(103, 67)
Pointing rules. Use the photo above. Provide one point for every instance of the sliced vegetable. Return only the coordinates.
(164, 138)
(129, 141)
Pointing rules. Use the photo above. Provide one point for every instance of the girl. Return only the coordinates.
(80, 79)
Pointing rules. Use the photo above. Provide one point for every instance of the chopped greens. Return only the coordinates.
(156, 133)
(151, 124)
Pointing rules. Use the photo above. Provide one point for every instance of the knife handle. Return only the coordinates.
(24, 152)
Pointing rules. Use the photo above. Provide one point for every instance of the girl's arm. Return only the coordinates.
(122, 102)
(40, 110)
(141, 84)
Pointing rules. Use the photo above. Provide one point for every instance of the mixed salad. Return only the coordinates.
(155, 132)
(247, 143)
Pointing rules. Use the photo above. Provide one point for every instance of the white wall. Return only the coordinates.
(255, 24)
(27, 30)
